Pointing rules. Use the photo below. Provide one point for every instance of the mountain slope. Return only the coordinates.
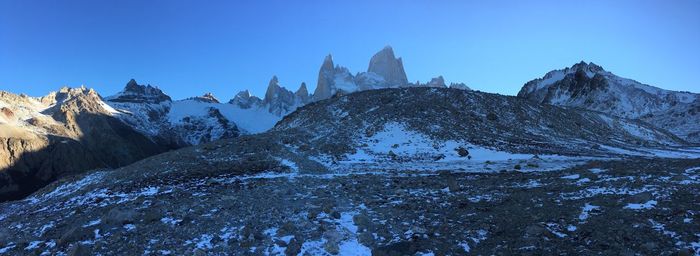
(589, 86)
(453, 117)
(67, 132)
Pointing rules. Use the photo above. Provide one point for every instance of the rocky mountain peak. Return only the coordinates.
(132, 85)
(136, 93)
(244, 99)
(273, 90)
(385, 64)
(278, 99)
(460, 86)
(437, 82)
(243, 94)
(207, 98)
(302, 93)
(82, 93)
(327, 63)
(587, 67)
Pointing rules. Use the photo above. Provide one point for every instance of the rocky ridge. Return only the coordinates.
(589, 86)
(66, 132)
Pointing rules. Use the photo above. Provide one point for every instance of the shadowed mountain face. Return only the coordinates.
(72, 133)
(589, 86)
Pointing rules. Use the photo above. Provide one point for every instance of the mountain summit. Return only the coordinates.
(589, 86)
(386, 65)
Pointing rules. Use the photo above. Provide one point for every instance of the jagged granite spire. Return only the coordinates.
(278, 99)
(303, 93)
(273, 89)
(385, 64)
(325, 79)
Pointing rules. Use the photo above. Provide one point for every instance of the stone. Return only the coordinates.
(119, 216)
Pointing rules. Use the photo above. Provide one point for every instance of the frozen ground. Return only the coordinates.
(645, 206)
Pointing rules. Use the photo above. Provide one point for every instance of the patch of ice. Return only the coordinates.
(270, 231)
(353, 248)
(571, 177)
(171, 221)
(662, 228)
(93, 223)
(465, 246)
(586, 211)
(347, 222)
(645, 206)
(204, 241)
(596, 170)
(584, 180)
(33, 245)
(129, 227)
(292, 165)
(554, 229)
(314, 247)
(149, 191)
(7, 248)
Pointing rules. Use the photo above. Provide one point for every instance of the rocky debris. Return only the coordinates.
(386, 213)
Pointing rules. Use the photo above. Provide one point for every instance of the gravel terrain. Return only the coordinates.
(620, 207)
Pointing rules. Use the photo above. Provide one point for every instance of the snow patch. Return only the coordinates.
(644, 206)
(586, 211)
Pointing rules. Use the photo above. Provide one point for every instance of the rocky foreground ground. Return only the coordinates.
(616, 207)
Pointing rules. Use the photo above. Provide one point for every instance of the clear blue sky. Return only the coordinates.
(191, 47)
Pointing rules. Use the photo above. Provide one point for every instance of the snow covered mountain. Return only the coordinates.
(65, 132)
(172, 123)
(589, 86)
